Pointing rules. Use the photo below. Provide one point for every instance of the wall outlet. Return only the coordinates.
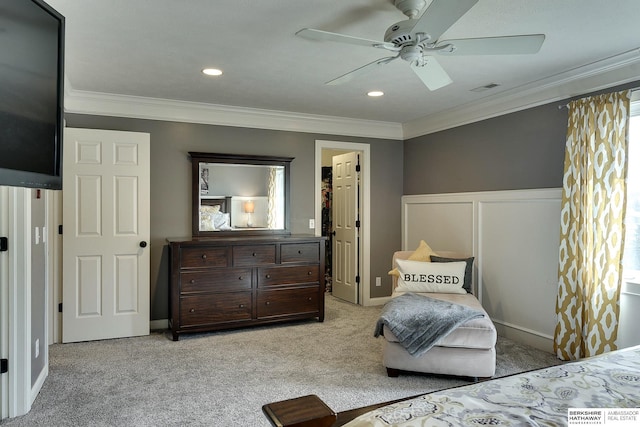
(378, 281)
(37, 348)
(312, 223)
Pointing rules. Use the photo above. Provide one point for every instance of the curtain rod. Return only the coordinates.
(561, 106)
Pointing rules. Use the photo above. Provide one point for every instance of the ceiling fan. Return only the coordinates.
(416, 40)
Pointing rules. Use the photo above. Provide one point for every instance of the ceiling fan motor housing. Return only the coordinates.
(400, 33)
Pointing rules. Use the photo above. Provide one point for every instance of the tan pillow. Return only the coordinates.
(205, 209)
(422, 253)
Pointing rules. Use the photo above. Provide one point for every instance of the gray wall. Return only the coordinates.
(517, 151)
(520, 150)
(171, 183)
(235, 180)
(38, 285)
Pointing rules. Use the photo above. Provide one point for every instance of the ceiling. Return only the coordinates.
(157, 48)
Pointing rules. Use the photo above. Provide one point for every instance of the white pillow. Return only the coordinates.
(441, 277)
(221, 220)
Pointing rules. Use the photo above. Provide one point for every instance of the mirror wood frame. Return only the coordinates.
(237, 159)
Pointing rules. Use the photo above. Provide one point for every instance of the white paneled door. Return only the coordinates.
(106, 218)
(345, 212)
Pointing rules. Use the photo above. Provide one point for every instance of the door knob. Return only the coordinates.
(143, 244)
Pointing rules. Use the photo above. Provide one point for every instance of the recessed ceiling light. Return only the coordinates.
(212, 71)
(375, 93)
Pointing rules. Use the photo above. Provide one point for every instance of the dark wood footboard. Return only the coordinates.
(311, 411)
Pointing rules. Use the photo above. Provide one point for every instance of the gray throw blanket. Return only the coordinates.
(419, 322)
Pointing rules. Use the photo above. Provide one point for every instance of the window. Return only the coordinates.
(631, 259)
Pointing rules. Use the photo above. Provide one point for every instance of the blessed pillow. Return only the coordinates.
(441, 277)
(468, 272)
(422, 253)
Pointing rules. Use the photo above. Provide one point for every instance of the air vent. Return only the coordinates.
(485, 87)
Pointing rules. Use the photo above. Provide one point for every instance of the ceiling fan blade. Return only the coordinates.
(432, 74)
(360, 71)
(509, 45)
(440, 15)
(311, 34)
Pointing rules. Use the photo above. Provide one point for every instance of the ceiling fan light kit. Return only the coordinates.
(417, 39)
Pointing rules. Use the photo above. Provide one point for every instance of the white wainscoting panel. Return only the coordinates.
(628, 331)
(514, 236)
(444, 225)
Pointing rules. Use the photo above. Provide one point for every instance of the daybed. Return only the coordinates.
(469, 350)
(546, 396)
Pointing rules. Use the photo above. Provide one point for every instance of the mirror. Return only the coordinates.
(239, 194)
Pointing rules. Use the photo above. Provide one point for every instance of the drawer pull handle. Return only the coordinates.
(267, 303)
(204, 256)
(309, 273)
(268, 276)
(253, 254)
(300, 252)
(241, 306)
(309, 299)
(192, 281)
(240, 278)
(193, 310)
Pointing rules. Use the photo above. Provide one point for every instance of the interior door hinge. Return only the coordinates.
(4, 244)
(60, 308)
(60, 229)
(4, 366)
(357, 279)
(357, 168)
(358, 224)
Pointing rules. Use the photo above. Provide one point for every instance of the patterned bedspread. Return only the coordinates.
(537, 398)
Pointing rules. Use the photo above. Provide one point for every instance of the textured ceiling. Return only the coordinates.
(156, 49)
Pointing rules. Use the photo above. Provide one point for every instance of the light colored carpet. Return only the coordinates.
(224, 378)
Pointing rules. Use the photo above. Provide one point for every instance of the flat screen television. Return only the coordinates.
(31, 94)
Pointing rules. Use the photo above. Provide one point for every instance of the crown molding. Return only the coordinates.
(616, 70)
(103, 104)
(613, 71)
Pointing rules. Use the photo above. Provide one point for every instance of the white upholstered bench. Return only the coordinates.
(467, 351)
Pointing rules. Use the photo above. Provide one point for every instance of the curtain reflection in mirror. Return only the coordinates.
(275, 213)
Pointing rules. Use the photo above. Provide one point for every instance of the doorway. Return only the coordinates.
(326, 150)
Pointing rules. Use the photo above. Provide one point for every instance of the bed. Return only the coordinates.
(215, 213)
(540, 397)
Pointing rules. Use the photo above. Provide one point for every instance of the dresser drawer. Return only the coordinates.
(215, 308)
(299, 252)
(252, 255)
(204, 257)
(277, 276)
(287, 301)
(223, 280)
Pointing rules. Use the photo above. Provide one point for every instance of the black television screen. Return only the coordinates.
(31, 94)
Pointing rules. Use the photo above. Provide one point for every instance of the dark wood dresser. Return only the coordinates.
(231, 282)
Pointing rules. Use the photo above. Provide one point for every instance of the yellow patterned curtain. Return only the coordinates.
(271, 199)
(592, 226)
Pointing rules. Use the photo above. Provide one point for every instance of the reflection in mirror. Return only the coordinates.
(233, 193)
(236, 197)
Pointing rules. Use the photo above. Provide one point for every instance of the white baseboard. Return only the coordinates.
(155, 325)
(378, 301)
(522, 336)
